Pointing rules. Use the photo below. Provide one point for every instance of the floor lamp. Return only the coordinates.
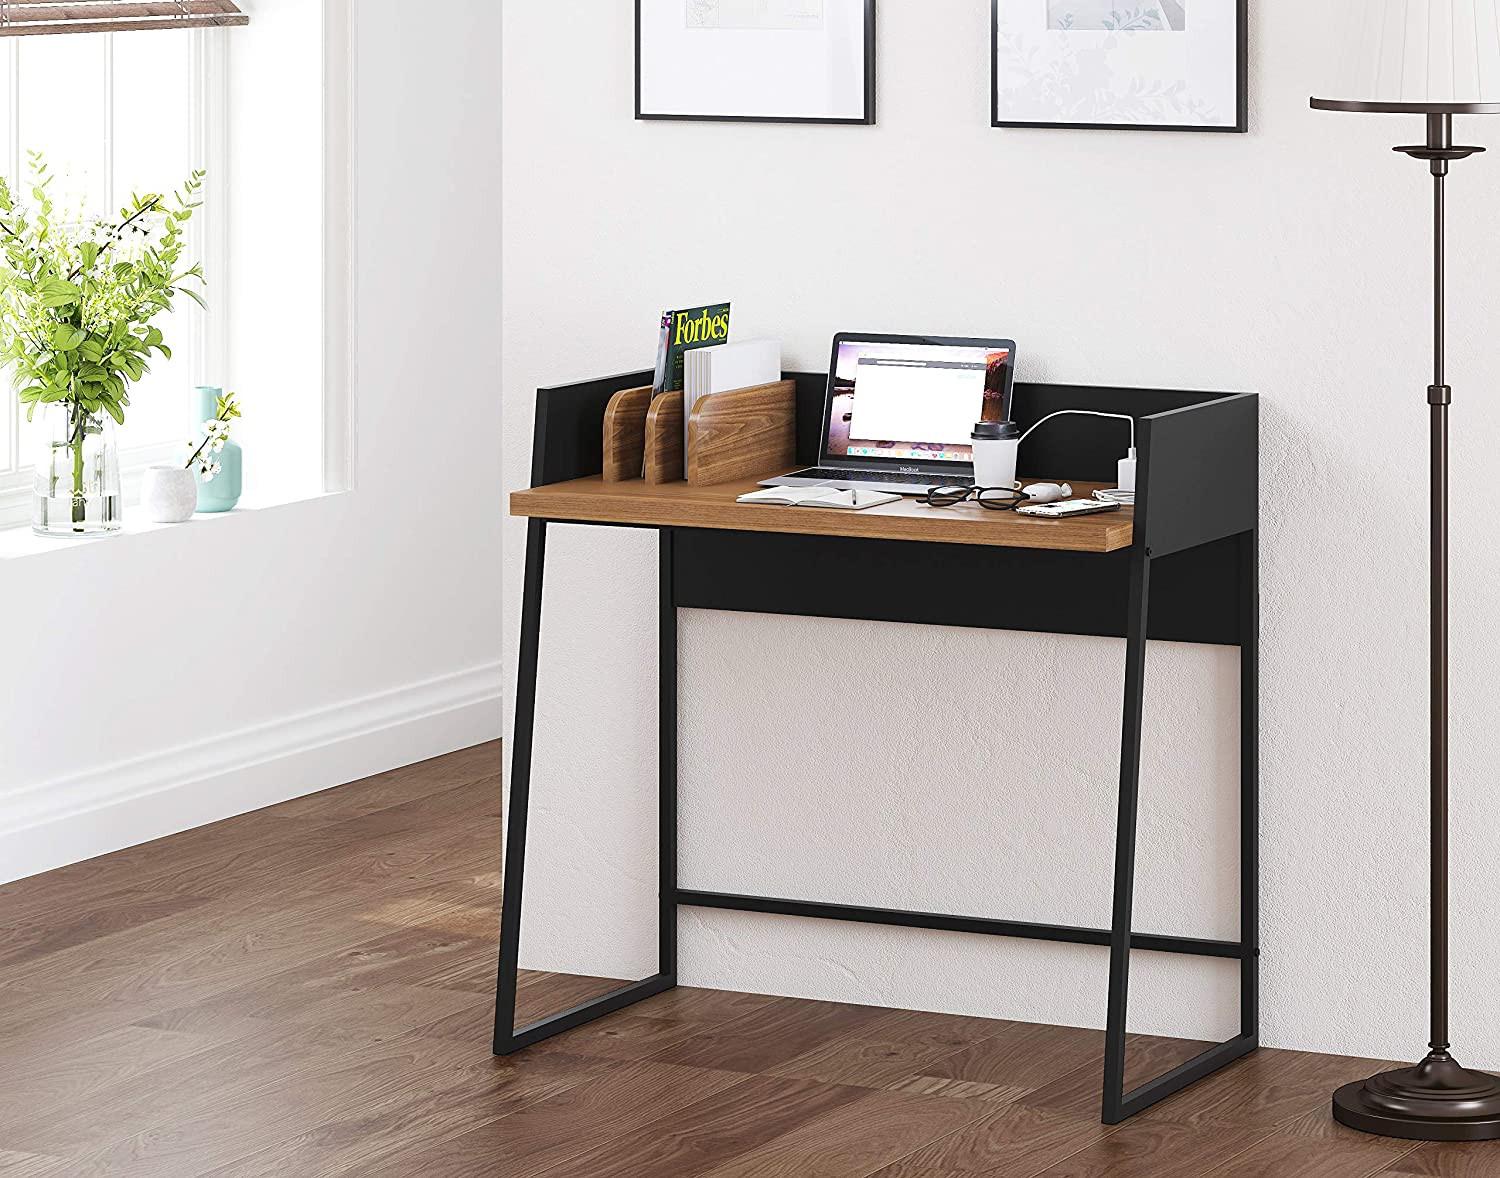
(1437, 58)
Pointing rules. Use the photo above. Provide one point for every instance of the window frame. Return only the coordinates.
(205, 350)
(211, 131)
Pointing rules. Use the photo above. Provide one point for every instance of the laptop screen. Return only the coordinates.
(914, 401)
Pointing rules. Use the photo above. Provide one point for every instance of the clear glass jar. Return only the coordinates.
(77, 482)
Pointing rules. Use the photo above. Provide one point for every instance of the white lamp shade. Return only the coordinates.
(1416, 55)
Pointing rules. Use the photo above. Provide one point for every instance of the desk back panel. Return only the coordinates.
(568, 438)
(1194, 594)
(1081, 448)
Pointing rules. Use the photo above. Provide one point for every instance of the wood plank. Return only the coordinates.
(771, 1035)
(854, 1139)
(720, 1128)
(1024, 1055)
(1283, 1155)
(625, 1036)
(890, 1050)
(744, 434)
(397, 787)
(708, 1007)
(1014, 1140)
(207, 848)
(621, 1099)
(683, 505)
(211, 1128)
(1468, 1159)
(235, 1074)
(1080, 1092)
(462, 1100)
(72, 1073)
(625, 434)
(32, 1165)
(664, 440)
(1265, 1090)
(40, 932)
(1136, 1150)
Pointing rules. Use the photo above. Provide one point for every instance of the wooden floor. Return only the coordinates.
(308, 991)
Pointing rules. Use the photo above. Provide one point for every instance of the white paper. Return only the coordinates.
(727, 367)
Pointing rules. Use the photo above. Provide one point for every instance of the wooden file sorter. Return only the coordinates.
(732, 436)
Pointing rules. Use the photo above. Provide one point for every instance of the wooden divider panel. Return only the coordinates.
(743, 434)
(625, 434)
(664, 440)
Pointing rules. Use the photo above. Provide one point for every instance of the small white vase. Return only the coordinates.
(169, 494)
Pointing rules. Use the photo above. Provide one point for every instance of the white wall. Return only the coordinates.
(1292, 261)
(153, 682)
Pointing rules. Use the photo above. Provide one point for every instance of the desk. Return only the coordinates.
(1183, 565)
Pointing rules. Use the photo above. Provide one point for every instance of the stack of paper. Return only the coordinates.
(725, 368)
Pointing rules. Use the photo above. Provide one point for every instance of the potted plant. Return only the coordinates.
(169, 494)
(77, 301)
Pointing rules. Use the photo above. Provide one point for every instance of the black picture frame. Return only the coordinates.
(1242, 88)
(870, 87)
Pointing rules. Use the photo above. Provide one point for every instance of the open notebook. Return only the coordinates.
(819, 497)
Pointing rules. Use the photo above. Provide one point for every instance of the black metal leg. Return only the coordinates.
(520, 787)
(1119, 1104)
(667, 760)
(1125, 829)
(509, 1039)
(1250, 785)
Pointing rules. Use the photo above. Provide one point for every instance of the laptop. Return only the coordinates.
(900, 410)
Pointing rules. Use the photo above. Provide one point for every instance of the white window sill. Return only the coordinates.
(21, 542)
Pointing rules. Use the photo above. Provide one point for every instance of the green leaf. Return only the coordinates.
(66, 338)
(116, 412)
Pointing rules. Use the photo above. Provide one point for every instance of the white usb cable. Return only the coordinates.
(1125, 493)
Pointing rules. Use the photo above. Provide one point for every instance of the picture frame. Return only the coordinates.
(1139, 65)
(756, 61)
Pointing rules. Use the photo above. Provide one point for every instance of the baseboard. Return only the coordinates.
(64, 821)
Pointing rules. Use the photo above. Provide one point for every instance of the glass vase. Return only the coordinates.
(77, 481)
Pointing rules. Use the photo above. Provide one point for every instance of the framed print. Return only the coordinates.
(758, 61)
(1148, 65)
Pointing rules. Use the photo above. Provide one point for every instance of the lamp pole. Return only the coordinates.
(1437, 1100)
(1439, 398)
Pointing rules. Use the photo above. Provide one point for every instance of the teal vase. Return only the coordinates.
(223, 494)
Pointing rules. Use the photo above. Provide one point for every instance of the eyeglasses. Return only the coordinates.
(990, 498)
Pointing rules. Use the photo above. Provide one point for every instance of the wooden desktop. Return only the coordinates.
(1183, 565)
(682, 505)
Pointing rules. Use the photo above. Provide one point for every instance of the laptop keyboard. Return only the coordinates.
(884, 476)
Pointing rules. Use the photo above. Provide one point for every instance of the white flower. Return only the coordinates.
(208, 475)
(142, 234)
(213, 427)
(211, 471)
(218, 445)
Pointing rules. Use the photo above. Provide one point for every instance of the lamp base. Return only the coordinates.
(1435, 1101)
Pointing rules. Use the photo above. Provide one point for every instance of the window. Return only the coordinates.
(116, 113)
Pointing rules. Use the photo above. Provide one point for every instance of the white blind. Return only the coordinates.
(21, 18)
